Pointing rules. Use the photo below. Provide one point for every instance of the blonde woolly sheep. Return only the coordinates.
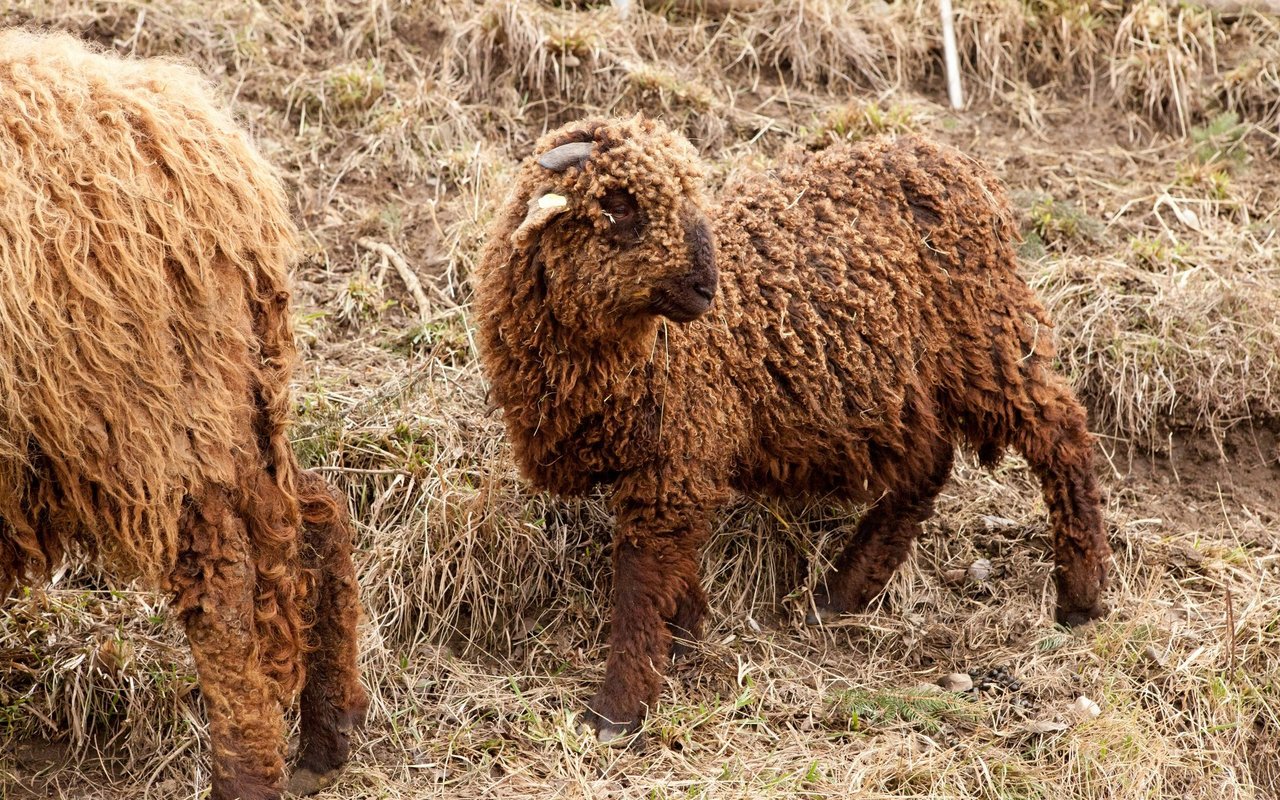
(145, 354)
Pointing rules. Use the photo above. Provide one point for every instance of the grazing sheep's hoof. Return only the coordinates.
(611, 733)
(607, 731)
(1075, 617)
(303, 782)
(681, 649)
(822, 611)
(819, 616)
(243, 789)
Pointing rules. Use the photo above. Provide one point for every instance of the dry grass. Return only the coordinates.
(1151, 218)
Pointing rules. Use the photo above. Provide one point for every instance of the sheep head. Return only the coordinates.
(607, 217)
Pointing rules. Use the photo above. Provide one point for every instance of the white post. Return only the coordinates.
(951, 55)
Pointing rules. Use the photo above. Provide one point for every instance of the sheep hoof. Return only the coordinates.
(1075, 617)
(681, 650)
(821, 612)
(611, 733)
(304, 782)
(608, 731)
(607, 734)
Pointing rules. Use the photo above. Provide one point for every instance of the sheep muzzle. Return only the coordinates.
(689, 296)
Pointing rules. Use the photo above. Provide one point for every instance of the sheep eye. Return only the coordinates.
(618, 207)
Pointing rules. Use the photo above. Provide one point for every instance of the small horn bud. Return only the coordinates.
(573, 154)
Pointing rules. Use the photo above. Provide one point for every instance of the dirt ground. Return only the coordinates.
(1140, 143)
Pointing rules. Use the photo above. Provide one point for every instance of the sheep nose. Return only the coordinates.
(703, 275)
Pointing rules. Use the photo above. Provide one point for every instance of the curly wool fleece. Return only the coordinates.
(869, 317)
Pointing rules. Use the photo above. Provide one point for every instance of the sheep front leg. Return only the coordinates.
(333, 701)
(656, 588)
(214, 585)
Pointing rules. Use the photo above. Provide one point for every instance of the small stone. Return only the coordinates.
(1047, 726)
(980, 570)
(995, 523)
(1183, 556)
(1153, 655)
(956, 682)
(954, 577)
(570, 60)
(1085, 709)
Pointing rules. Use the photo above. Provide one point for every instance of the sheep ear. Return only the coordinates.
(573, 154)
(542, 209)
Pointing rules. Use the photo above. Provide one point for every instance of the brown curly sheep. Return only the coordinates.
(867, 315)
(145, 354)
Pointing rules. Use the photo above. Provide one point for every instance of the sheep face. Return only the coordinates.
(614, 227)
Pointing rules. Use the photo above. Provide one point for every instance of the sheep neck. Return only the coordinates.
(568, 425)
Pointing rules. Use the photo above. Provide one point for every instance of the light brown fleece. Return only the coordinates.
(146, 348)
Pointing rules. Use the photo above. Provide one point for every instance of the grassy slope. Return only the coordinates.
(1151, 223)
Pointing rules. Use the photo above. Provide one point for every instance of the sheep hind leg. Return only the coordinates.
(333, 702)
(1055, 440)
(686, 624)
(883, 539)
(214, 585)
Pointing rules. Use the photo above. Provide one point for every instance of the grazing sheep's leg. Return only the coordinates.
(686, 624)
(884, 536)
(1055, 440)
(214, 584)
(333, 701)
(655, 588)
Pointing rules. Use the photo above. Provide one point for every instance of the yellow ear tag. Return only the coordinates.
(552, 201)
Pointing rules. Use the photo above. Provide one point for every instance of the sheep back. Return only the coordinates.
(145, 342)
(870, 298)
